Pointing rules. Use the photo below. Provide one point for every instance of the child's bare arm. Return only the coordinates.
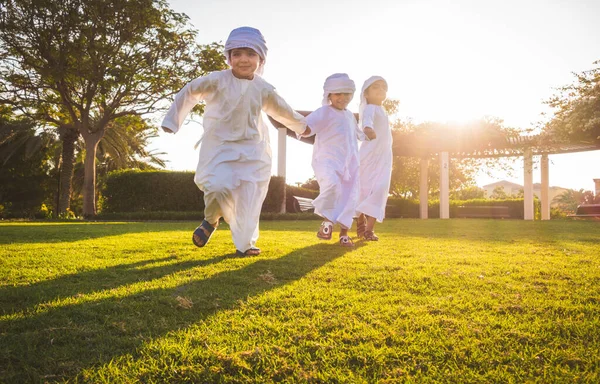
(370, 132)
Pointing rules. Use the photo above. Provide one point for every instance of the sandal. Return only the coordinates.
(361, 225)
(325, 230)
(202, 234)
(346, 241)
(371, 236)
(249, 252)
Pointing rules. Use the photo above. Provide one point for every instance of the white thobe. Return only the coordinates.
(375, 164)
(234, 165)
(335, 163)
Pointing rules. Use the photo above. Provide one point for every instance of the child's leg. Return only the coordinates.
(247, 201)
(212, 214)
(361, 225)
(370, 223)
(369, 233)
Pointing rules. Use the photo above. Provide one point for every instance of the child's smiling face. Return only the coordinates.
(340, 100)
(244, 62)
(376, 92)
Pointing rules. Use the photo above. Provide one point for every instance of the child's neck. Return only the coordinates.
(375, 103)
(251, 77)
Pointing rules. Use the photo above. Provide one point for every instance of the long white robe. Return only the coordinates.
(375, 164)
(234, 165)
(335, 163)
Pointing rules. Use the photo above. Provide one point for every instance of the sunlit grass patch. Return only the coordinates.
(439, 301)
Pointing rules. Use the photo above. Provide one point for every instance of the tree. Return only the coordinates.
(431, 137)
(468, 193)
(499, 193)
(570, 199)
(24, 166)
(77, 66)
(577, 109)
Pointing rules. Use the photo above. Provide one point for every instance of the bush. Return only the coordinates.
(151, 191)
(274, 199)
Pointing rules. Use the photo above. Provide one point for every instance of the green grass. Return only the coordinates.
(433, 301)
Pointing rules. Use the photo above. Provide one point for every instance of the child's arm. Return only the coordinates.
(367, 120)
(370, 132)
(190, 95)
(278, 109)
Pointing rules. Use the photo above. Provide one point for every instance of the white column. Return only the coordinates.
(281, 157)
(545, 187)
(528, 213)
(424, 188)
(444, 186)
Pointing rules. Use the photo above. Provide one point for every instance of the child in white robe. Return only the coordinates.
(375, 158)
(234, 166)
(335, 157)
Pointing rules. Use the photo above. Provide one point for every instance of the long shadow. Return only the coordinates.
(57, 344)
(25, 298)
(70, 232)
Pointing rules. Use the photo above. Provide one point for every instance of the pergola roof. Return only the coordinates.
(471, 141)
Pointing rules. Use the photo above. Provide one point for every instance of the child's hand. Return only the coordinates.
(166, 129)
(370, 132)
(306, 132)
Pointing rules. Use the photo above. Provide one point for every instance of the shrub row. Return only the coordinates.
(166, 191)
(167, 195)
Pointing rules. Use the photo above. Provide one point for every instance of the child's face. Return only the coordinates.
(376, 92)
(244, 62)
(340, 100)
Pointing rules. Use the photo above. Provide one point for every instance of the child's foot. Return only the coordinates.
(371, 236)
(325, 230)
(203, 233)
(361, 225)
(249, 252)
(346, 241)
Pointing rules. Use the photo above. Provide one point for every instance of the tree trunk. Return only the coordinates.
(66, 170)
(89, 178)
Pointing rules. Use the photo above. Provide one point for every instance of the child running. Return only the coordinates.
(234, 167)
(375, 158)
(335, 157)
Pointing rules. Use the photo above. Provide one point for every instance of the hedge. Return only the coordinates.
(166, 191)
(410, 208)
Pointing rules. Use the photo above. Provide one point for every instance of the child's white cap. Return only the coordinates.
(247, 37)
(337, 83)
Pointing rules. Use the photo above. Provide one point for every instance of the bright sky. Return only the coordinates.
(444, 60)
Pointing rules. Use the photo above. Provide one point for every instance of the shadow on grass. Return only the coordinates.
(68, 232)
(57, 344)
(25, 298)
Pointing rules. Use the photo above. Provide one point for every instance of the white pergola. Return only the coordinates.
(499, 145)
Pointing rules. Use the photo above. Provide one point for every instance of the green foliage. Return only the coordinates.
(83, 65)
(139, 191)
(466, 193)
(499, 193)
(25, 182)
(275, 194)
(156, 195)
(568, 201)
(408, 208)
(427, 139)
(577, 109)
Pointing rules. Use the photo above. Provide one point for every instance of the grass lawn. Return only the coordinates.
(467, 301)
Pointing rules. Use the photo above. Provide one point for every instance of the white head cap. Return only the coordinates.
(337, 83)
(247, 37)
